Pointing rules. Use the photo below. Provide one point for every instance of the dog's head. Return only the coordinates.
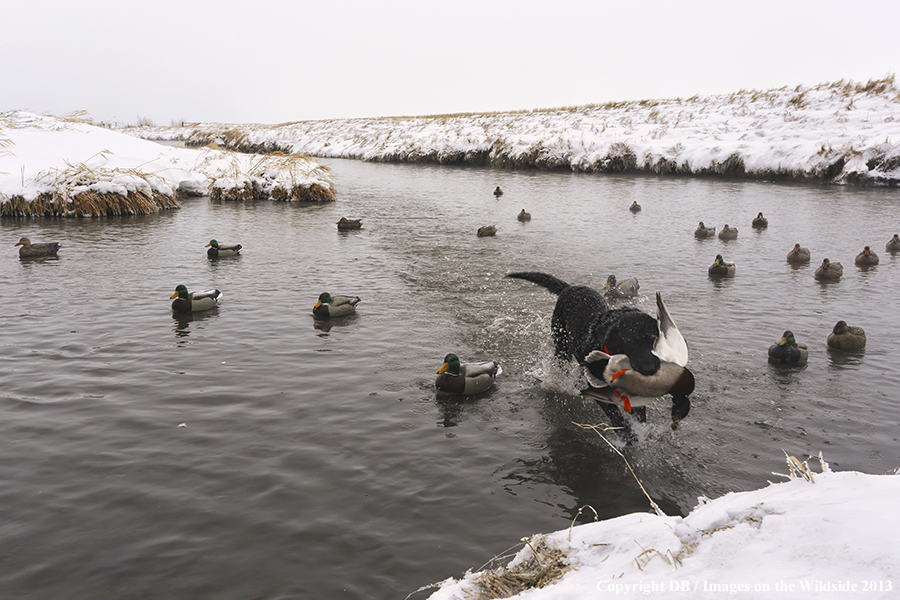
(631, 332)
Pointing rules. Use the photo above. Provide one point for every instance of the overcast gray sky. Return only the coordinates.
(271, 61)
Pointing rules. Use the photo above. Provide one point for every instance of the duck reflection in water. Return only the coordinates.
(182, 322)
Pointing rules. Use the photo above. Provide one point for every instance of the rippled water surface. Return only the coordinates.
(315, 459)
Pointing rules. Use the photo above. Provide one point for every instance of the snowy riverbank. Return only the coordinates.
(51, 166)
(842, 132)
(818, 535)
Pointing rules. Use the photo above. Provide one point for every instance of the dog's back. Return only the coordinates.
(577, 309)
(583, 322)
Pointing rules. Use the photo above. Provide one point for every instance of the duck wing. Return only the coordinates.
(340, 300)
(491, 368)
(670, 345)
(207, 294)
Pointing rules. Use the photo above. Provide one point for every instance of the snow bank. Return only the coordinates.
(838, 132)
(831, 536)
(51, 166)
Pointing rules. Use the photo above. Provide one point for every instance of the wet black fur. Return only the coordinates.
(583, 321)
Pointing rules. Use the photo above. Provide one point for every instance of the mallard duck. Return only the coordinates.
(625, 289)
(29, 250)
(498, 192)
(760, 222)
(622, 384)
(703, 231)
(216, 249)
(893, 244)
(846, 337)
(720, 268)
(829, 270)
(487, 230)
(335, 306)
(787, 350)
(635, 207)
(728, 233)
(866, 258)
(524, 216)
(345, 224)
(469, 378)
(185, 302)
(798, 254)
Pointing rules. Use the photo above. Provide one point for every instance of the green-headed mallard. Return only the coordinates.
(216, 249)
(185, 302)
(623, 385)
(829, 271)
(846, 337)
(635, 207)
(334, 306)
(487, 230)
(728, 233)
(346, 224)
(498, 192)
(788, 351)
(760, 222)
(29, 250)
(621, 289)
(720, 268)
(703, 231)
(893, 244)
(524, 216)
(866, 258)
(798, 254)
(468, 378)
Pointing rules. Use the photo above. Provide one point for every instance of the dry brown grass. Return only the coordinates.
(74, 195)
(276, 176)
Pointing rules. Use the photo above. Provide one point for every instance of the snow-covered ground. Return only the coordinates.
(841, 132)
(46, 157)
(817, 535)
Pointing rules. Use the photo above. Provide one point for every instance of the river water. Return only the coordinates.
(253, 452)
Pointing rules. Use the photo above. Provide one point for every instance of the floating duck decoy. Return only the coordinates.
(334, 306)
(798, 254)
(728, 233)
(720, 268)
(487, 230)
(468, 378)
(893, 244)
(498, 192)
(619, 383)
(846, 337)
(29, 250)
(788, 351)
(216, 249)
(760, 222)
(345, 224)
(524, 216)
(829, 271)
(866, 258)
(703, 231)
(624, 289)
(185, 302)
(635, 207)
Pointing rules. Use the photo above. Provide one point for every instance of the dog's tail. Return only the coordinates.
(550, 282)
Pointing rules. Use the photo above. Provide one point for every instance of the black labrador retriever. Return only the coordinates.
(583, 322)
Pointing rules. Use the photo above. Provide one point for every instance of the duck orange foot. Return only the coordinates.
(626, 403)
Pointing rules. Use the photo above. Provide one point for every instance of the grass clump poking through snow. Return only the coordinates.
(536, 565)
(82, 191)
(277, 176)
